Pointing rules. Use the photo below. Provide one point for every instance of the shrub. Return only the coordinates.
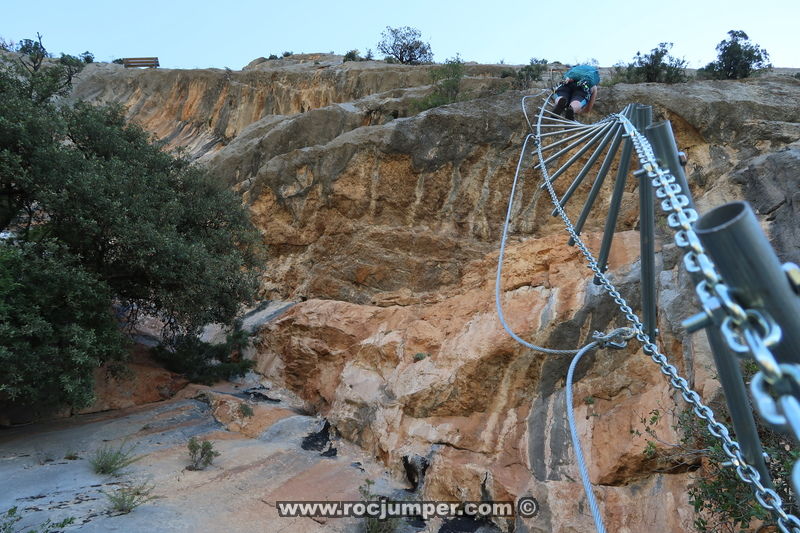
(737, 58)
(245, 410)
(352, 55)
(530, 73)
(656, 67)
(118, 61)
(129, 496)
(419, 356)
(271, 57)
(206, 363)
(201, 454)
(287, 54)
(369, 56)
(448, 78)
(447, 84)
(87, 57)
(722, 502)
(110, 461)
(9, 519)
(404, 45)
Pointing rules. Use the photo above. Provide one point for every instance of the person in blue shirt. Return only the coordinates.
(577, 92)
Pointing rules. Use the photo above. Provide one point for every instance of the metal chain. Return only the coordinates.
(746, 331)
(683, 218)
(749, 333)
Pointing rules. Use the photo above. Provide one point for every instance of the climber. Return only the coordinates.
(578, 89)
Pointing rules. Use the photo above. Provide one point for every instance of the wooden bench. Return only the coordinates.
(135, 62)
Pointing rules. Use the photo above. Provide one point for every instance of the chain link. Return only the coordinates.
(680, 217)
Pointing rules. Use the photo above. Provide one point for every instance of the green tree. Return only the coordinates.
(138, 226)
(55, 326)
(404, 45)
(737, 58)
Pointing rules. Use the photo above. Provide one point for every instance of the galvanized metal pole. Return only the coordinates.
(586, 168)
(616, 199)
(591, 142)
(665, 148)
(739, 406)
(643, 117)
(598, 182)
(736, 243)
(747, 263)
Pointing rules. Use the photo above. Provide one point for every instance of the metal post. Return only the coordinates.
(730, 376)
(585, 135)
(733, 238)
(666, 150)
(598, 182)
(591, 142)
(586, 168)
(643, 116)
(616, 199)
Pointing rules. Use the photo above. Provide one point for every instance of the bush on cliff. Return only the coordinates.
(530, 73)
(446, 80)
(97, 203)
(737, 58)
(658, 66)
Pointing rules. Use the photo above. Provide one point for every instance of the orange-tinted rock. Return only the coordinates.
(142, 381)
(389, 224)
(244, 417)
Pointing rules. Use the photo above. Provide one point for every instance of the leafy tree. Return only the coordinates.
(404, 45)
(656, 67)
(737, 58)
(55, 326)
(92, 202)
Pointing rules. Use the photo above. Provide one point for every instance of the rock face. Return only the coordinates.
(385, 223)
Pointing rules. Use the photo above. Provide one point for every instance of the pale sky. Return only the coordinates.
(198, 34)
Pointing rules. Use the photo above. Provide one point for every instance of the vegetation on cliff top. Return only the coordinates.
(93, 212)
(737, 58)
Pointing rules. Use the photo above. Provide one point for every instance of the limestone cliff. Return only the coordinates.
(385, 223)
